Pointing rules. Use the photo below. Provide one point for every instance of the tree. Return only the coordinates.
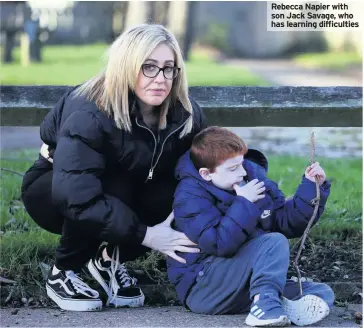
(190, 28)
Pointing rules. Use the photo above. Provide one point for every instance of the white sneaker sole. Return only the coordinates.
(253, 321)
(136, 301)
(72, 304)
(307, 310)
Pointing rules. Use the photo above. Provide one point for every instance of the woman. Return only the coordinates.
(106, 170)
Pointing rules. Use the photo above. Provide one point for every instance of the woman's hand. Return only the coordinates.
(164, 239)
(315, 170)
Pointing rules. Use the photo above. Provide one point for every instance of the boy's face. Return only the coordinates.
(226, 174)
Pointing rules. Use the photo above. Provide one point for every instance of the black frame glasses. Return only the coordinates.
(175, 71)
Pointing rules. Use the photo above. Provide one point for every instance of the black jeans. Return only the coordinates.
(152, 203)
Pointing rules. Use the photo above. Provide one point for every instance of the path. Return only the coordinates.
(286, 72)
(173, 316)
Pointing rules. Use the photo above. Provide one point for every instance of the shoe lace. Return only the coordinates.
(125, 279)
(118, 272)
(79, 285)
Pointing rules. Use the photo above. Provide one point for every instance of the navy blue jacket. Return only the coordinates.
(220, 222)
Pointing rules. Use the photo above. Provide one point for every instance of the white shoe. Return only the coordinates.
(307, 310)
(254, 321)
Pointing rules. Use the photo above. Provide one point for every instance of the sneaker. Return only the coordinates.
(120, 288)
(267, 311)
(306, 311)
(71, 293)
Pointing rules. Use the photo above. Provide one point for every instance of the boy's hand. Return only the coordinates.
(315, 170)
(252, 191)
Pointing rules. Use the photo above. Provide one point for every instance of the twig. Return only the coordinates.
(312, 147)
(6, 281)
(11, 171)
(316, 202)
(14, 159)
(10, 295)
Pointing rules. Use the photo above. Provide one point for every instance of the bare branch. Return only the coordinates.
(6, 281)
(315, 202)
(11, 171)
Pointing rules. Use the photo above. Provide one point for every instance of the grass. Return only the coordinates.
(24, 245)
(336, 61)
(343, 211)
(71, 65)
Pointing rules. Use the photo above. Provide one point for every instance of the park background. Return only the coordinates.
(63, 43)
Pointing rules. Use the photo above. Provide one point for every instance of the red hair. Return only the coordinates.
(214, 145)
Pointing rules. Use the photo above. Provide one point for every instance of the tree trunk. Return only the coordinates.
(137, 13)
(189, 30)
(9, 43)
(151, 12)
(177, 20)
(124, 14)
(164, 20)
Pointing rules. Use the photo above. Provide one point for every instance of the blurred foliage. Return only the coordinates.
(216, 37)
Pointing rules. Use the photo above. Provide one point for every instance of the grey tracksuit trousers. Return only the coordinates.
(228, 285)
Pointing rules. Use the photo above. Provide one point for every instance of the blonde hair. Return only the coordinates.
(126, 54)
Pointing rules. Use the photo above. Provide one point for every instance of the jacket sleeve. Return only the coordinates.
(51, 121)
(204, 224)
(76, 187)
(292, 217)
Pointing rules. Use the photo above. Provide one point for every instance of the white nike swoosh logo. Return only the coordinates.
(264, 215)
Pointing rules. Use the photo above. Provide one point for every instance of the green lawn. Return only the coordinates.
(23, 245)
(71, 65)
(336, 61)
(343, 211)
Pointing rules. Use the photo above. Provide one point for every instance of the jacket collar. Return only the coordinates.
(186, 169)
(176, 114)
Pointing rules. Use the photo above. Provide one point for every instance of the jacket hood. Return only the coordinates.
(185, 168)
(255, 163)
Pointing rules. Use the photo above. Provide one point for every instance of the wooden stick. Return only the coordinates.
(6, 281)
(316, 202)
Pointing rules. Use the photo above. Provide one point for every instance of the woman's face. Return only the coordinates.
(152, 91)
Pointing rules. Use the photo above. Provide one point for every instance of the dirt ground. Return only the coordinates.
(332, 260)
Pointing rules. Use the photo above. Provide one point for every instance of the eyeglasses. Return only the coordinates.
(169, 72)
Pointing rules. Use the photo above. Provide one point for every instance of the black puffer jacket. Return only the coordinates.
(86, 146)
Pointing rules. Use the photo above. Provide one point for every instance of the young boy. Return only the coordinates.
(240, 221)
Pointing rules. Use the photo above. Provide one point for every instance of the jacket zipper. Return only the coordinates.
(152, 167)
(150, 175)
